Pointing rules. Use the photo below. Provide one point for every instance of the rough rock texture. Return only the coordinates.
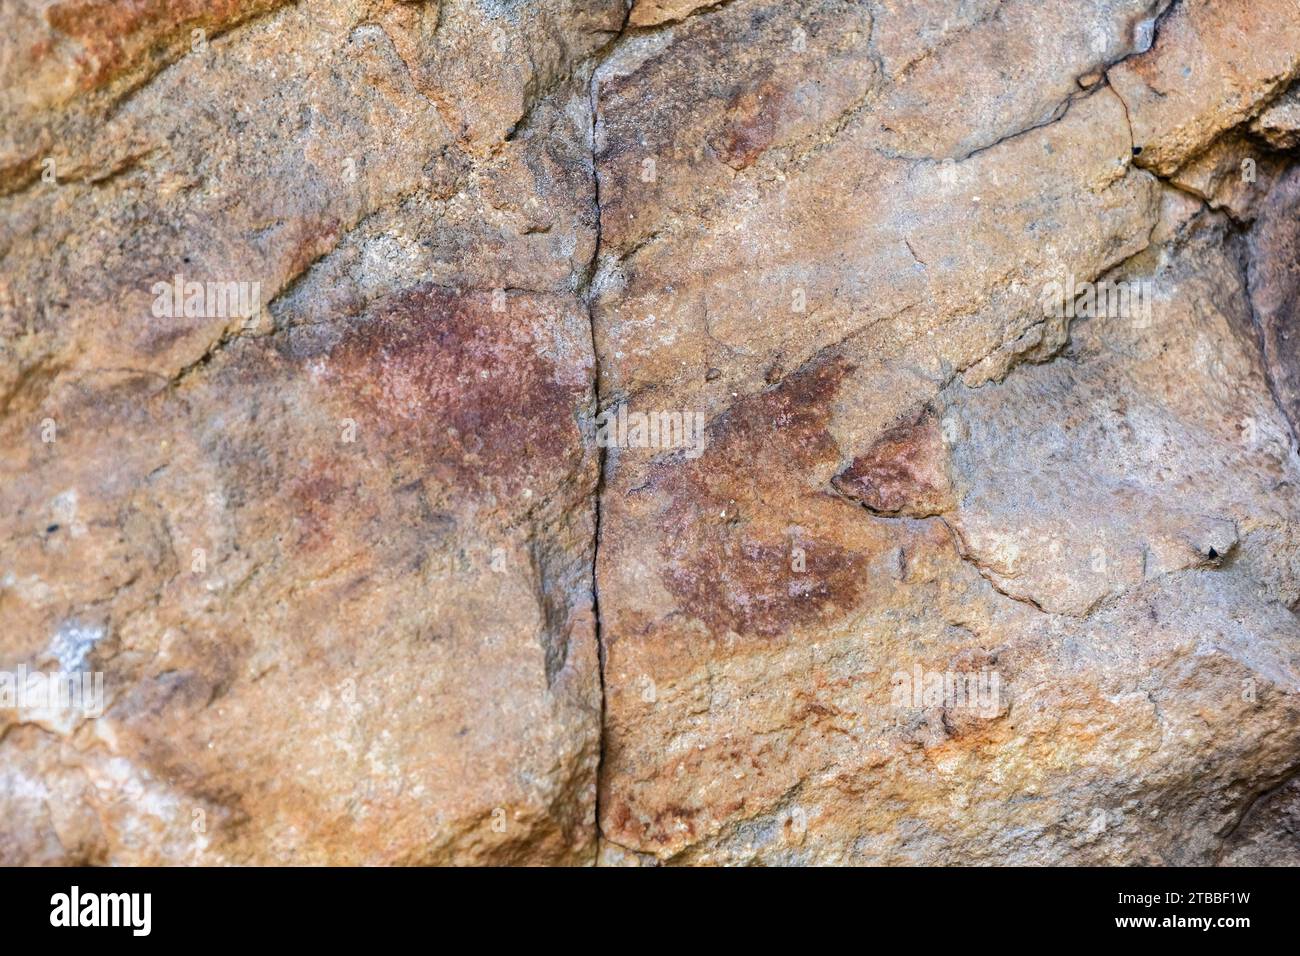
(335, 559)
(366, 577)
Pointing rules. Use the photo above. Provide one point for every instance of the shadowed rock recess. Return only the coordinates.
(565, 432)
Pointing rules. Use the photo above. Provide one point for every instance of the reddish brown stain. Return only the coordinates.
(751, 120)
(463, 389)
(781, 428)
(673, 823)
(314, 497)
(903, 472)
(734, 583)
(727, 559)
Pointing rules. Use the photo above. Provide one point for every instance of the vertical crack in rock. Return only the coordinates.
(601, 453)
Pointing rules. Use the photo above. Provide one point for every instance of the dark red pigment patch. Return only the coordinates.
(728, 558)
(463, 389)
(317, 496)
(752, 118)
(903, 472)
(672, 822)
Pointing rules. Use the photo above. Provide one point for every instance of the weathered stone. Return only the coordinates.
(790, 713)
(1275, 291)
(1232, 174)
(648, 13)
(1268, 833)
(1279, 125)
(332, 557)
(903, 473)
(842, 283)
(948, 510)
(1215, 63)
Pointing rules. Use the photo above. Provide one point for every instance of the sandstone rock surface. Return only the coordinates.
(588, 431)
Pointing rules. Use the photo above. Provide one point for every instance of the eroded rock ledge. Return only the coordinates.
(370, 580)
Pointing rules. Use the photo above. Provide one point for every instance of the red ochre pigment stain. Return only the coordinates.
(443, 377)
(903, 472)
(737, 575)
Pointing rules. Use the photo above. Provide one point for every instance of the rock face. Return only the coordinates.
(580, 431)
(334, 557)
